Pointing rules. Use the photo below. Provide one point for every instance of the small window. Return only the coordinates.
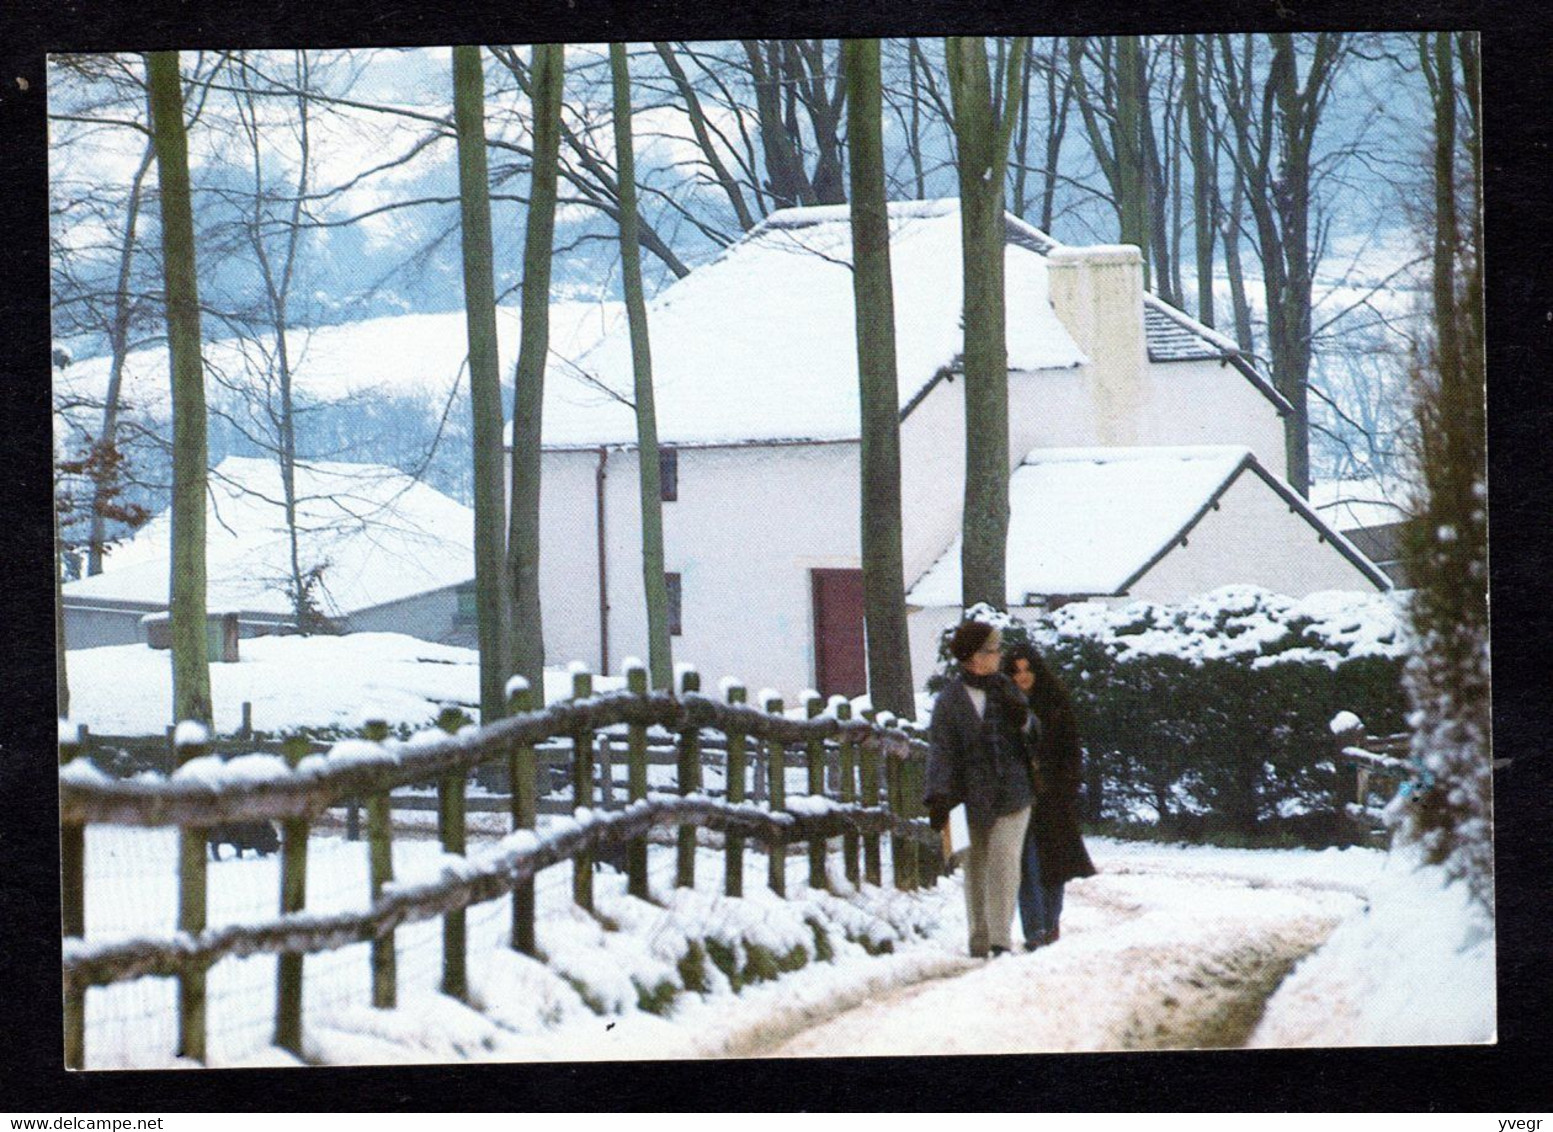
(671, 584)
(668, 474)
(467, 613)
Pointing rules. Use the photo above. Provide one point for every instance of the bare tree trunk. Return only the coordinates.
(191, 670)
(913, 60)
(884, 584)
(61, 675)
(118, 345)
(654, 582)
(1273, 160)
(698, 126)
(981, 138)
(484, 377)
(1057, 104)
(1205, 179)
(528, 640)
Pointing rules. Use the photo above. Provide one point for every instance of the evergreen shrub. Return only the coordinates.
(1209, 717)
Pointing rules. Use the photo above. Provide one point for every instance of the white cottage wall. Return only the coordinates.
(749, 524)
(1253, 538)
(568, 556)
(932, 476)
(1198, 402)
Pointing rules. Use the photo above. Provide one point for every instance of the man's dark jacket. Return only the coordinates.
(983, 762)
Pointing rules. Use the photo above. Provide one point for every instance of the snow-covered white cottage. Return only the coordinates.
(1146, 454)
(390, 554)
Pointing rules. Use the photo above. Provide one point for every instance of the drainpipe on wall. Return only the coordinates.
(598, 491)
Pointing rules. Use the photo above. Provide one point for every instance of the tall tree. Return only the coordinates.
(274, 240)
(655, 583)
(789, 74)
(1114, 116)
(528, 638)
(1450, 811)
(884, 583)
(191, 668)
(982, 125)
(1205, 173)
(1273, 158)
(474, 195)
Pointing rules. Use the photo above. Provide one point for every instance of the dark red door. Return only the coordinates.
(839, 660)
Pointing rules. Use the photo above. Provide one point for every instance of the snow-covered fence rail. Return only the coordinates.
(847, 761)
(1371, 757)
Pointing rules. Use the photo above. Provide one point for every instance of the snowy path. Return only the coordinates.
(1156, 954)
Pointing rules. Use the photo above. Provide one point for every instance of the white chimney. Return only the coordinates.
(1097, 292)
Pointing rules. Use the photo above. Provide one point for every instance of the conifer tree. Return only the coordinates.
(1447, 809)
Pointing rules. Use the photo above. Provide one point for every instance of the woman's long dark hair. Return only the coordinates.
(1049, 697)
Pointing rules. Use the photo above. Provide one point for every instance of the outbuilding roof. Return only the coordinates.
(377, 536)
(1150, 499)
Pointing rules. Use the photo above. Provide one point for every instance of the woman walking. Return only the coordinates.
(1054, 850)
(980, 756)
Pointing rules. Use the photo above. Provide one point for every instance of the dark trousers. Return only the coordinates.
(1040, 905)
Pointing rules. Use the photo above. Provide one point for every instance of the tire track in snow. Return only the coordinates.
(1150, 959)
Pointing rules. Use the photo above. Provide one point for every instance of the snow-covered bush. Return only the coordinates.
(1212, 712)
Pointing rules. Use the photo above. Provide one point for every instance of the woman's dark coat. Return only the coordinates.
(977, 760)
(1054, 821)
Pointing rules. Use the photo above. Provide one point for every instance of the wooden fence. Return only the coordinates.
(864, 781)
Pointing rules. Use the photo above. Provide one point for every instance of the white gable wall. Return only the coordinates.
(1188, 403)
(748, 526)
(1254, 538)
(932, 476)
(568, 556)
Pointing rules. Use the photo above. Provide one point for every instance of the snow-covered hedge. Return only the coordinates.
(1212, 713)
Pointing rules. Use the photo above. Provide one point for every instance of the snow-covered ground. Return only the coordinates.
(1168, 946)
(292, 682)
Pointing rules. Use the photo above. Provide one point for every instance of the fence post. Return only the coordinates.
(72, 860)
(776, 769)
(450, 819)
(909, 856)
(245, 729)
(868, 774)
(636, 776)
(582, 789)
(733, 843)
(293, 897)
(689, 783)
(814, 758)
(918, 855)
(606, 761)
(523, 792)
(380, 865)
(846, 765)
(189, 742)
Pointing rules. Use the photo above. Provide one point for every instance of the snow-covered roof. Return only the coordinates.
(405, 355)
(1149, 497)
(760, 344)
(379, 536)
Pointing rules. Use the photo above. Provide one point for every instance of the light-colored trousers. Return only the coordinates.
(992, 880)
